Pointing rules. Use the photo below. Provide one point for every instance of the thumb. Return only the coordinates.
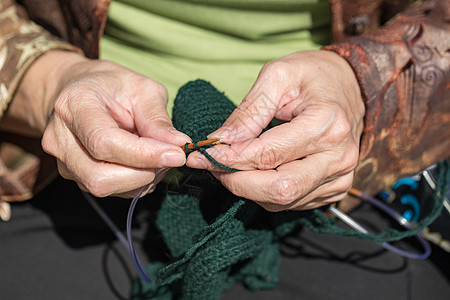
(259, 107)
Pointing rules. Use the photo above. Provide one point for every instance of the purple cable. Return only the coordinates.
(401, 220)
(127, 242)
(144, 274)
(344, 217)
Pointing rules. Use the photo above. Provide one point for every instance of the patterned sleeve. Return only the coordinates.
(21, 43)
(403, 70)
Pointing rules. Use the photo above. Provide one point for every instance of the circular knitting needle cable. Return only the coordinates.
(128, 241)
(144, 274)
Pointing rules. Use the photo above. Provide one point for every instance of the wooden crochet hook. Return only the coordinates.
(202, 143)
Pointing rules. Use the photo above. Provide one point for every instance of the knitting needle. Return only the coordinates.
(203, 143)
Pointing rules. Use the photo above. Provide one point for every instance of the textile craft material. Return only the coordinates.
(218, 239)
(208, 156)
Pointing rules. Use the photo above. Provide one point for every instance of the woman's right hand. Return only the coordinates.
(107, 126)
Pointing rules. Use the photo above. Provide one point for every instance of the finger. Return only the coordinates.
(280, 186)
(66, 174)
(97, 177)
(131, 194)
(197, 160)
(327, 193)
(274, 88)
(5, 211)
(307, 134)
(150, 188)
(106, 141)
(103, 180)
(289, 187)
(152, 119)
(321, 201)
(315, 199)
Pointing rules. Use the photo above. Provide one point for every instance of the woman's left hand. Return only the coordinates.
(306, 162)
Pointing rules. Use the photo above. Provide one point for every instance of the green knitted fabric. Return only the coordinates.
(200, 109)
(218, 239)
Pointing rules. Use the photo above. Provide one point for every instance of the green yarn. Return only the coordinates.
(200, 109)
(203, 151)
(180, 224)
(218, 239)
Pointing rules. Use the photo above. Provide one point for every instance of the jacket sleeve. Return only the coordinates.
(21, 43)
(403, 69)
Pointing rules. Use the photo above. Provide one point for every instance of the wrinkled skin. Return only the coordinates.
(107, 126)
(309, 160)
(109, 129)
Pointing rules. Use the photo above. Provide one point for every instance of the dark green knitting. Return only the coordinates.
(219, 239)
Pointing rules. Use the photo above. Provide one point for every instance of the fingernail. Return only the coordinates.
(172, 159)
(222, 133)
(5, 211)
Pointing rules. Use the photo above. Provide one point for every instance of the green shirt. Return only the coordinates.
(225, 42)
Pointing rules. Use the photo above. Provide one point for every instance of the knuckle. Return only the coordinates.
(232, 186)
(277, 68)
(344, 184)
(156, 89)
(157, 120)
(112, 66)
(341, 128)
(353, 157)
(284, 192)
(98, 186)
(47, 143)
(241, 112)
(107, 65)
(350, 159)
(268, 158)
(161, 90)
(60, 103)
(97, 145)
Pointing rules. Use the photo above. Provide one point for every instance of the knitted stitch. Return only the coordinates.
(218, 239)
(200, 109)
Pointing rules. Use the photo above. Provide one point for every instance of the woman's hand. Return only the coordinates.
(107, 126)
(306, 162)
